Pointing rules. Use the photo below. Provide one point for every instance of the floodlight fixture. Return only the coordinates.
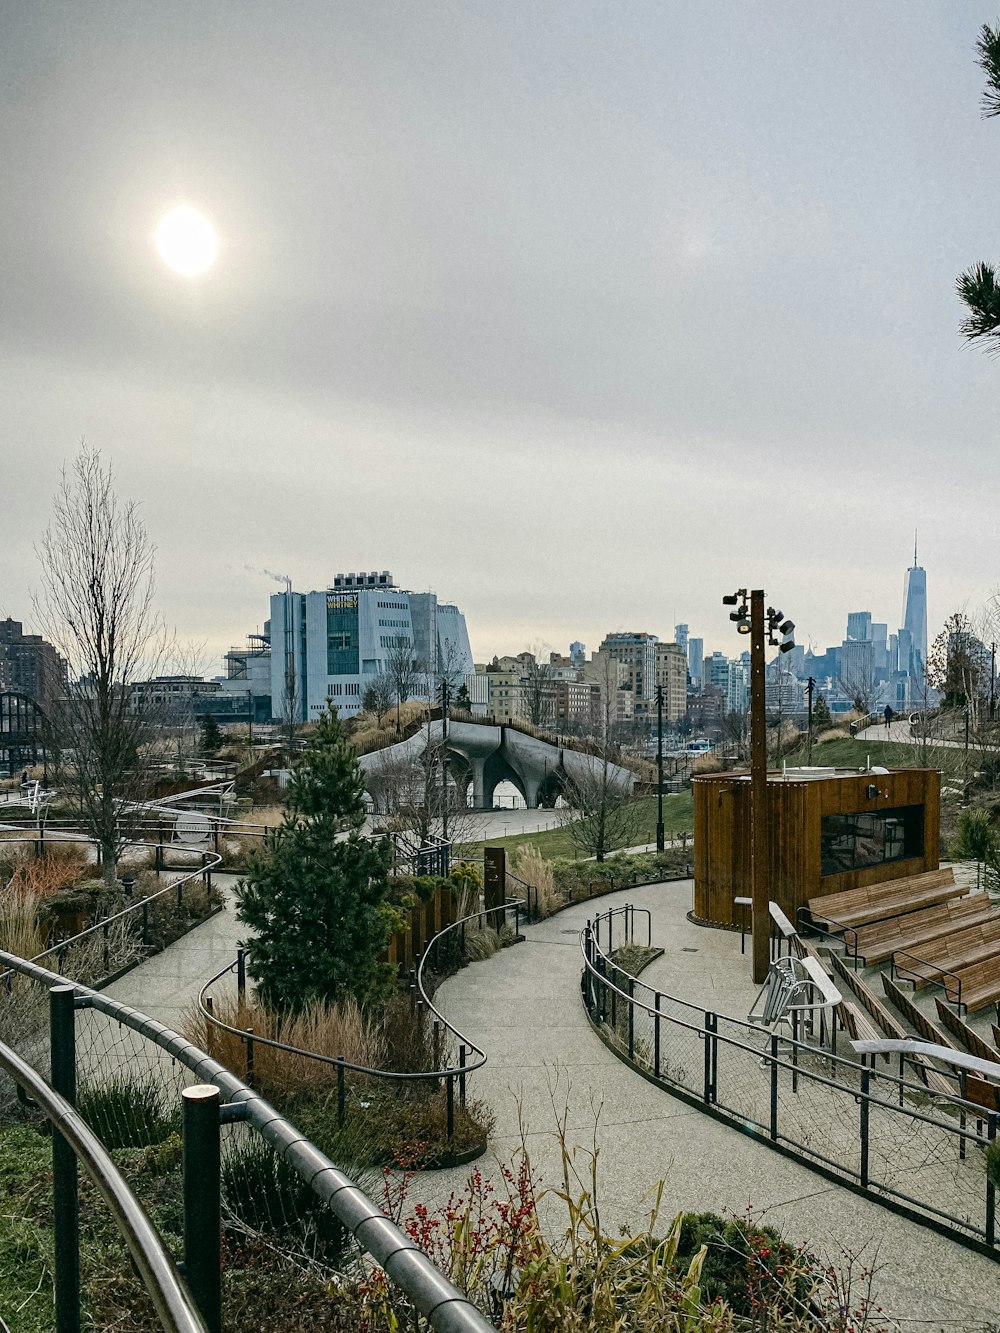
(743, 627)
(787, 627)
(787, 646)
(731, 600)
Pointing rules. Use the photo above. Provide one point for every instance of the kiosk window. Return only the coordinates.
(852, 842)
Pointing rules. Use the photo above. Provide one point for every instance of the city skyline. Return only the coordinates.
(587, 315)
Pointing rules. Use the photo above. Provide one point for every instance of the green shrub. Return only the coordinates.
(128, 1111)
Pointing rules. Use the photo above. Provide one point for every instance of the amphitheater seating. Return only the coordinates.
(969, 1037)
(873, 1005)
(980, 984)
(879, 941)
(949, 953)
(894, 897)
(931, 1077)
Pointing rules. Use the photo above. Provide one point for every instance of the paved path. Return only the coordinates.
(523, 1006)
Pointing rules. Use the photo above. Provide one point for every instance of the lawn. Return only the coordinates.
(678, 817)
(846, 753)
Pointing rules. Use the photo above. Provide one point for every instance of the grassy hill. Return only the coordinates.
(847, 753)
(678, 817)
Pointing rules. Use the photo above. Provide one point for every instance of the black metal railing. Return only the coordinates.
(219, 1097)
(929, 973)
(871, 1129)
(456, 1055)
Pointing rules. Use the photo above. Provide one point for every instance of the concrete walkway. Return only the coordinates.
(523, 1007)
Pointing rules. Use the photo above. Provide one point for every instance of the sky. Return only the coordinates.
(580, 314)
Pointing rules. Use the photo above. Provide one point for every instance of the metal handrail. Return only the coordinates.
(700, 1031)
(943, 972)
(447, 1071)
(139, 905)
(438, 1300)
(174, 1306)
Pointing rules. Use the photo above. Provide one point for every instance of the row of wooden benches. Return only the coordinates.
(931, 931)
(878, 1020)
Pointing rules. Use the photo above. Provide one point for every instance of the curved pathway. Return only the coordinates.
(524, 1007)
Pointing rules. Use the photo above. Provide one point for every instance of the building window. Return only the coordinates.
(855, 841)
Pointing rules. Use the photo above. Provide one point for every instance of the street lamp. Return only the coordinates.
(445, 699)
(660, 840)
(750, 618)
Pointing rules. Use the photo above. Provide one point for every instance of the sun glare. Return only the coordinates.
(187, 241)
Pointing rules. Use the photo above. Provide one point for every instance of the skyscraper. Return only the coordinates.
(915, 618)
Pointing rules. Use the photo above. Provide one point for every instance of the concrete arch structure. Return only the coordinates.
(486, 755)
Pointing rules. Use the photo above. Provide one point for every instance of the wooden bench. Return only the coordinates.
(974, 988)
(893, 897)
(876, 1010)
(857, 1024)
(929, 1075)
(949, 953)
(969, 1037)
(880, 940)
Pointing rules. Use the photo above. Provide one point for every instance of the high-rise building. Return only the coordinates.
(671, 674)
(696, 659)
(915, 618)
(326, 646)
(637, 650)
(681, 637)
(578, 653)
(29, 665)
(859, 625)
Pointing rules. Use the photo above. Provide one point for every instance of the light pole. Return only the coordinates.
(810, 686)
(993, 679)
(751, 620)
(445, 692)
(660, 840)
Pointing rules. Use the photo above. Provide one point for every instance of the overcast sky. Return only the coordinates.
(580, 314)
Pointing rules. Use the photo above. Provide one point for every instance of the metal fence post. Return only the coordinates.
(865, 1082)
(66, 1215)
(631, 1018)
(451, 1107)
(241, 975)
(656, 1035)
(774, 1087)
(710, 1057)
(991, 1224)
(202, 1204)
(461, 1077)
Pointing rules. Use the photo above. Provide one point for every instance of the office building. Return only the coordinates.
(30, 665)
(326, 646)
(696, 656)
(859, 625)
(637, 651)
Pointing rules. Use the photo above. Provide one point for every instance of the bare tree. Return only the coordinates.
(378, 696)
(599, 811)
(402, 669)
(538, 689)
(96, 602)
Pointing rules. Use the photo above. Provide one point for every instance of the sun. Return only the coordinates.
(187, 241)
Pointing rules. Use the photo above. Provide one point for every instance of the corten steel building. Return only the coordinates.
(828, 830)
(327, 646)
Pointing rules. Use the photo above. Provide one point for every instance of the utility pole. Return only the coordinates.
(759, 891)
(660, 840)
(993, 679)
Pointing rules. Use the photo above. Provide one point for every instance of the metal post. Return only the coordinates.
(660, 839)
(707, 1091)
(656, 1036)
(451, 1107)
(461, 1077)
(865, 1084)
(810, 687)
(241, 975)
(158, 863)
(66, 1219)
(444, 761)
(758, 792)
(631, 1018)
(991, 1207)
(202, 1201)
(774, 1087)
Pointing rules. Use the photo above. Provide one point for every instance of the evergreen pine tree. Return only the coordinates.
(211, 735)
(316, 897)
(822, 720)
